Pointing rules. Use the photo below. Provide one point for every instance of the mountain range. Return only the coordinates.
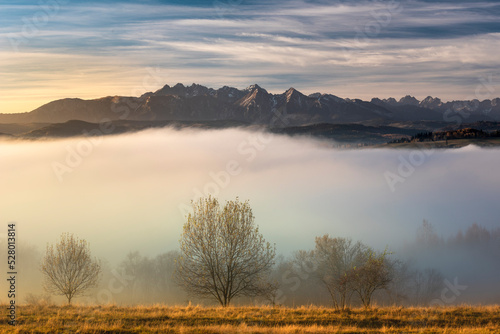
(254, 105)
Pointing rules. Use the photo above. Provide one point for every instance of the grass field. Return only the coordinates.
(197, 319)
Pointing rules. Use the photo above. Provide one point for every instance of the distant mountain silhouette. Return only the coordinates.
(254, 105)
(292, 113)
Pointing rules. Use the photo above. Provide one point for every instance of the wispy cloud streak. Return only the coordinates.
(349, 48)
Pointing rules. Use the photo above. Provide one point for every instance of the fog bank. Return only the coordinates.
(131, 192)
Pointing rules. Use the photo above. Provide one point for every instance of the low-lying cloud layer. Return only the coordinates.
(125, 193)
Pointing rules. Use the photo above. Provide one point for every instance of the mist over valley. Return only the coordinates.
(131, 192)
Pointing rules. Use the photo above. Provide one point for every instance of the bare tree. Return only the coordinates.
(223, 255)
(426, 285)
(153, 278)
(426, 235)
(335, 258)
(373, 274)
(400, 289)
(69, 269)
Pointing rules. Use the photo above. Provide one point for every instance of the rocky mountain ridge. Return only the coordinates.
(256, 105)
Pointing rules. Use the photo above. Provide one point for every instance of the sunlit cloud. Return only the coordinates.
(290, 182)
(352, 49)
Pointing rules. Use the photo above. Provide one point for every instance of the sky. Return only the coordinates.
(52, 49)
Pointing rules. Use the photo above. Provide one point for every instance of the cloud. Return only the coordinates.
(352, 49)
(129, 192)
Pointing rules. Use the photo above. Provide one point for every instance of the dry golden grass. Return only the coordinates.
(196, 319)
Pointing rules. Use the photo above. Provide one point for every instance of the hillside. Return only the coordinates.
(341, 133)
(257, 106)
(265, 319)
(292, 113)
(450, 139)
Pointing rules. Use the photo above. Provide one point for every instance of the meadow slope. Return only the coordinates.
(197, 319)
